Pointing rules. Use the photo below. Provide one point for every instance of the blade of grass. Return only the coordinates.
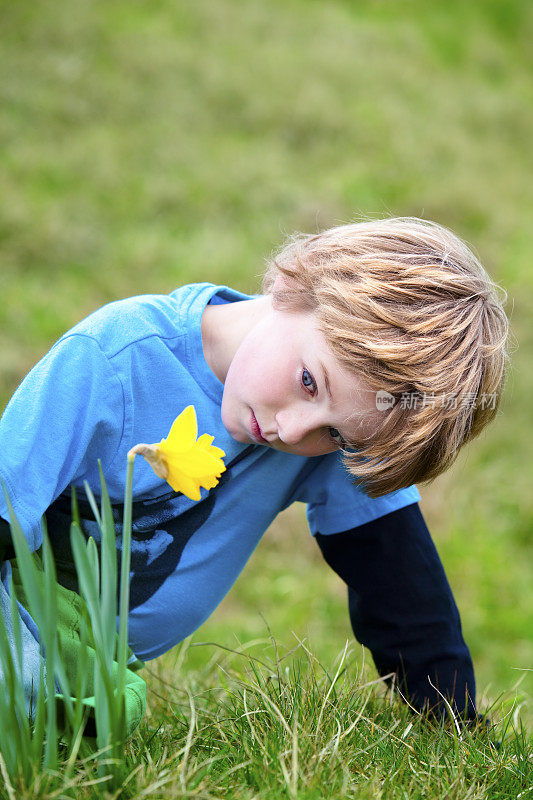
(50, 634)
(92, 503)
(19, 700)
(9, 729)
(108, 558)
(40, 718)
(125, 581)
(88, 581)
(86, 561)
(26, 565)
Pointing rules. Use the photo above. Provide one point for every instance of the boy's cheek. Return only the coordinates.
(307, 449)
(225, 415)
(230, 419)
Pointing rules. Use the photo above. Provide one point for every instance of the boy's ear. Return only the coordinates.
(288, 294)
(279, 290)
(282, 284)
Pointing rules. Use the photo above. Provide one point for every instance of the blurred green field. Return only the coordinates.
(149, 144)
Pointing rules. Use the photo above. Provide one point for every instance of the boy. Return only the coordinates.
(375, 352)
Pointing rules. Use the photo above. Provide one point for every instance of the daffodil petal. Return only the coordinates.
(181, 482)
(195, 463)
(183, 432)
(205, 439)
(209, 481)
(205, 444)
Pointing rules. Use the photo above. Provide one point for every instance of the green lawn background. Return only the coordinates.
(149, 144)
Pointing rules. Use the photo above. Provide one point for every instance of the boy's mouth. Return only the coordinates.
(256, 430)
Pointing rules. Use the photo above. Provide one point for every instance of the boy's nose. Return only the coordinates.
(294, 426)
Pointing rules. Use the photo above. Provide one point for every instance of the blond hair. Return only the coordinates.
(406, 305)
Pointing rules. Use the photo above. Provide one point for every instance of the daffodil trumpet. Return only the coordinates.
(186, 462)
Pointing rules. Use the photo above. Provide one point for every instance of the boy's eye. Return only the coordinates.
(335, 435)
(308, 381)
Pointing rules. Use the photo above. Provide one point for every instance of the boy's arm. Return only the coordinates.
(402, 608)
(66, 414)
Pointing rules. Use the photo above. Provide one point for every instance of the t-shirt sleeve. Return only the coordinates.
(66, 414)
(335, 505)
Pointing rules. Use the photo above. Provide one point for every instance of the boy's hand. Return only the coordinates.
(402, 609)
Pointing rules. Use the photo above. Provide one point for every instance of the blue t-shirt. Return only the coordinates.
(120, 377)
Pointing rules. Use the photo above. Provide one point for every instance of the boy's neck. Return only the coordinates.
(225, 326)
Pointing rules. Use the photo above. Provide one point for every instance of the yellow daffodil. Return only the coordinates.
(185, 462)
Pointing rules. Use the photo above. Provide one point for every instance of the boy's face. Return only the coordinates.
(276, 390)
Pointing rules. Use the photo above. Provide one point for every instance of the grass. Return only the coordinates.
(257, 720)
(290, 726)
(263, 722)
(151, 144)
(30, 738)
